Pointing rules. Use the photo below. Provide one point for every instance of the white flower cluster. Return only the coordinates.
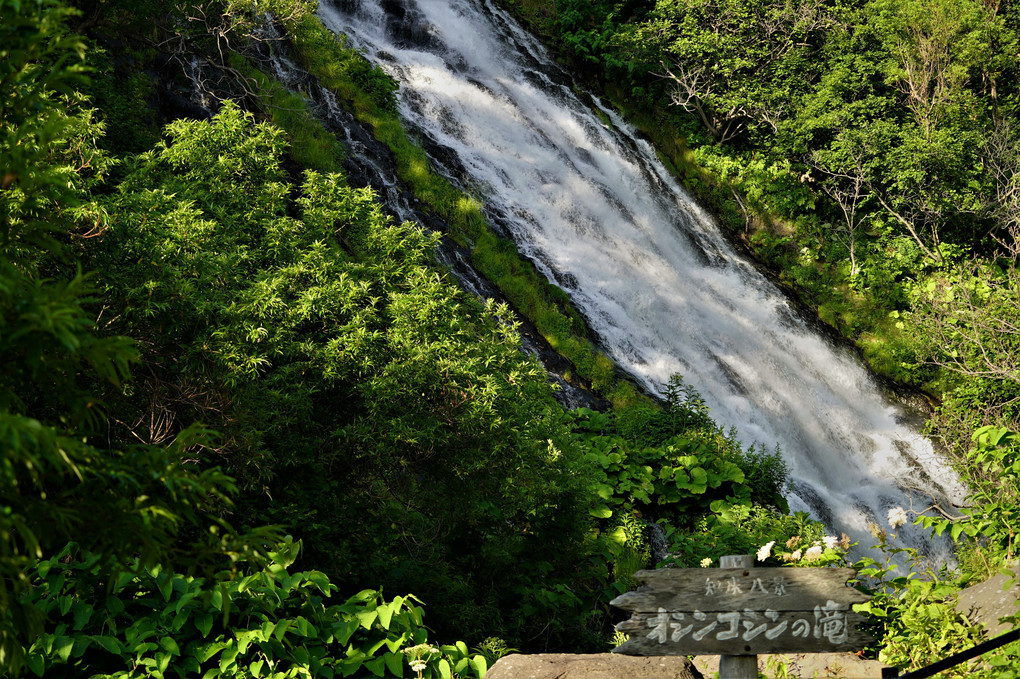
(897, 517)
(419, 657)
(812, 553)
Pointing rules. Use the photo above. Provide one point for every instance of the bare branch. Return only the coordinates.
(909, 224)
(1002, 160)
(846, 189)
(971, 324)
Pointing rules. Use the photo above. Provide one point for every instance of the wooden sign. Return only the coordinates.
(742, 611)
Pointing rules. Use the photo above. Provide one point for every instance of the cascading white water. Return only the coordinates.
(593, 208)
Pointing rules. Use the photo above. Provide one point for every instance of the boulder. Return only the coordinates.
(598, 666)
(993, 599)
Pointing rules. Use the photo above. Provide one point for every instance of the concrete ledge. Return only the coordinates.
(805, 665)
(597, 666)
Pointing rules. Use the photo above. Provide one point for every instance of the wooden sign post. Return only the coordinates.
(738, 611)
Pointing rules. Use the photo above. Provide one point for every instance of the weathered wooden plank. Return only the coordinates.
(742, 611)
(719, 589)
(825, 628)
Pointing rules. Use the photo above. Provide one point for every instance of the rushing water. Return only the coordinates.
(597, 213)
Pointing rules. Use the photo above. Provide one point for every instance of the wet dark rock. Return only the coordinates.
(407, 26)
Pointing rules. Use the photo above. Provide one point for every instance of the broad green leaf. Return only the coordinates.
(62, 646)
(207, 651)
(165, 583)
(36, 663)
(81, 644)
(395, 644)
(385, 613)
(955, 530)
(170, 645)
(320, 581)
(183, 601)
(204, 623)
(344, 629)
(282, 627)
(363, 597)
(114, 606)
(350, 666)
(376, 666)
(82, 613)
(111, 644)
(395, 663)
(179, 620)
(227, 658)
(618, 535)
(366, 618)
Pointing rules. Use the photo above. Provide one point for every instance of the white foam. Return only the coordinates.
(647, 266)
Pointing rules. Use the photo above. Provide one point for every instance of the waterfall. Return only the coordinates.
(592, 207)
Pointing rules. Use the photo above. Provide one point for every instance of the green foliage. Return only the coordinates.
(63, 475)
(733, 64)
(326, 56)
(914, 616)
(994, 480)
(677, 477)
(40, 64)
(260, 623)
(370, 95)
(740, 529)
(913, 612)
(586, 29)
(676, 474)
(675, 466)
(348, 376)
(309, 143)
(966, 321)
(120, 98)
(492, 649)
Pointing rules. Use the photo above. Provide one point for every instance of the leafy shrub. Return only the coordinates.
(993, 516)
(267, 623)
(349, 377)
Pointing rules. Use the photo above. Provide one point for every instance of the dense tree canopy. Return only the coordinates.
(63, 476)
